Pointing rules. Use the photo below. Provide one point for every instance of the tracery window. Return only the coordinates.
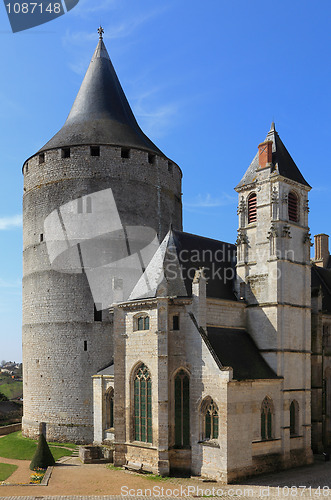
(210, 419)
(293, 213)
(252, 208)
(266, 418)
(109, 397)
(142, 404)
(182, 409)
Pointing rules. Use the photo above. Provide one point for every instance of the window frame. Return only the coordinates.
(109, 408)
(209, 407)
(266, 419)
(181, 398)
(141, 322)
(142, 412)
(293, 206)
(252, 208)
(294, 418)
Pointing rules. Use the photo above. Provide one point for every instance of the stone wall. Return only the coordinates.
(63, 346)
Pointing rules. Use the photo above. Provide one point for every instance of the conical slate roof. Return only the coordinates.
(281, 159)
(101, 113)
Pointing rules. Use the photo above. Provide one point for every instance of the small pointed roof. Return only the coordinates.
(281, 159)
(101, 113)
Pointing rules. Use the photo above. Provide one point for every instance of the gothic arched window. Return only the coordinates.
(182, 409)
(266, 418)
(142, 404)
(293, 212)
(294, 418)
(109, 399)
(252, 208)
(209, 412)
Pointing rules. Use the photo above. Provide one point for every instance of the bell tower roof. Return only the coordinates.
(101, 113)
(282, 162)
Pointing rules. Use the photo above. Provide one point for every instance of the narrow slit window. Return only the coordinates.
(125, 153)
(41, 158)
(41, 237)
(95, 150)
(293, 418)
(292, 207)
(85, 345)
(252, 208)
(27, 168)
(97, 312)
(151, 158)
(65, 153)
(80, 205)
(175, 322)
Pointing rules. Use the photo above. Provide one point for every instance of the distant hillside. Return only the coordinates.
(10, 412)
(11, 388)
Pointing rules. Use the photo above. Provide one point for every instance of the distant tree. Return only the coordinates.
(3, 362)
(43, 457)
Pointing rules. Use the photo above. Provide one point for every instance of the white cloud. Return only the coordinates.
(10, 284)
(155, 122)
(121, 29)
(10, 222)
(86, 7)
(207, 201)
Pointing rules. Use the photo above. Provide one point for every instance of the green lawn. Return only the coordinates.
(10, 387)
(16, 446)
(6, 470)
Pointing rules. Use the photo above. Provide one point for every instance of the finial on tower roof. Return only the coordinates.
(273, 128)
(100, 31)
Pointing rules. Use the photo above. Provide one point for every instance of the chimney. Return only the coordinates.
(321, 249)
(265, 154)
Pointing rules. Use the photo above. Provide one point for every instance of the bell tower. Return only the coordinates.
(273, 274)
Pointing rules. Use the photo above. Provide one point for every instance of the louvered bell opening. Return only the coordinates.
(252, 208)
(293, 207)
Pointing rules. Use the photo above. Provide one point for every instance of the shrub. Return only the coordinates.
(43, 457)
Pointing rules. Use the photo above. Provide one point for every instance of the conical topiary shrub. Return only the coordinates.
(43, 457)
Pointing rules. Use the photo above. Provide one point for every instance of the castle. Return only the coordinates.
(183, 352)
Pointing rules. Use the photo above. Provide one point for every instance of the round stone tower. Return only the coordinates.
(67, 336)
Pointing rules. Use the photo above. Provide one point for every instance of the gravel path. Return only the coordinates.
(76, 481)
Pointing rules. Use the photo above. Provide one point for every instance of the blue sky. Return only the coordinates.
(205, 79)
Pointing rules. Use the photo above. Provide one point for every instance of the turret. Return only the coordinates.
(99, 157)
(273, 275)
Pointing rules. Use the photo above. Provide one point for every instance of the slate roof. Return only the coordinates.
(177, 259)
(101, 113)
(218, 259)
(107, 370)
(281, 159)
(321, 278)
(235, 348)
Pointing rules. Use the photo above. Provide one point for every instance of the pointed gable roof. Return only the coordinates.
(179, 256)
(101, 113)
(281, 159)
